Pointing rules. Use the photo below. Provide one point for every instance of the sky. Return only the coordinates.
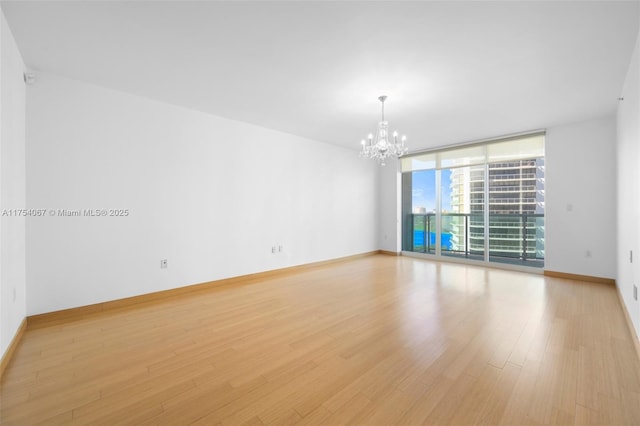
(424, 190)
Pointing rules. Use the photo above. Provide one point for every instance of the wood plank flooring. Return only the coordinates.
(379, 341)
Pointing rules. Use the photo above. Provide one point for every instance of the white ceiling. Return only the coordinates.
(453, 71)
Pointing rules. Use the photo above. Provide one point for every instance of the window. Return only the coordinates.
(482, 201)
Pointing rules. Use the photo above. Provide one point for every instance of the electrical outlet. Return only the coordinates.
(587, 253)
(273, 249)
(164, 263)
(635, 292)
(279, 249)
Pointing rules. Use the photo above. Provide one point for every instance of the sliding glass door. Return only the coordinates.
(483, 202)
(462, 217)
(421, 212)
(516, 212)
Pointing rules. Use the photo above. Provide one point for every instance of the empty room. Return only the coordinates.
(319, 212)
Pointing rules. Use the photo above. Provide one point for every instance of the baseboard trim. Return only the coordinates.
(65, 315)
(6, 358)
(577, 277)
(389, 253)
(627, 317)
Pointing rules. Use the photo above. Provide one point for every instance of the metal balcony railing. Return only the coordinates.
(515, 236)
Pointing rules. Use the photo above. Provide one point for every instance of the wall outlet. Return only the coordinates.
(273, 249)
(635, 292)
(164, 263)
(587, 253)
(279, 249)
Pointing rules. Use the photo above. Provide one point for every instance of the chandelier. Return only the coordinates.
(383, 145)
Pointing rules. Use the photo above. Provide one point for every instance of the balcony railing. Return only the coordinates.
(512, 237)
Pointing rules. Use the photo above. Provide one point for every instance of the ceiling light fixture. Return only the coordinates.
(382, 146)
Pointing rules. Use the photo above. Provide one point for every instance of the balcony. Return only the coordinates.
(516, 239)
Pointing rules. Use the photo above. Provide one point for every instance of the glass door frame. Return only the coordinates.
(486, 227)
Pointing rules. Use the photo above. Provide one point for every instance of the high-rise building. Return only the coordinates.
(516, 208)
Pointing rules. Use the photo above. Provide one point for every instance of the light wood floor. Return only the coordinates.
(379, 341)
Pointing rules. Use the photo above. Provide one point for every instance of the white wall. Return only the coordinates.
(628, 149)
(580, 198)
(12, 187)
(209, 194)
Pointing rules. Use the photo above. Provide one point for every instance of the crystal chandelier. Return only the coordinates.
(383, 146)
